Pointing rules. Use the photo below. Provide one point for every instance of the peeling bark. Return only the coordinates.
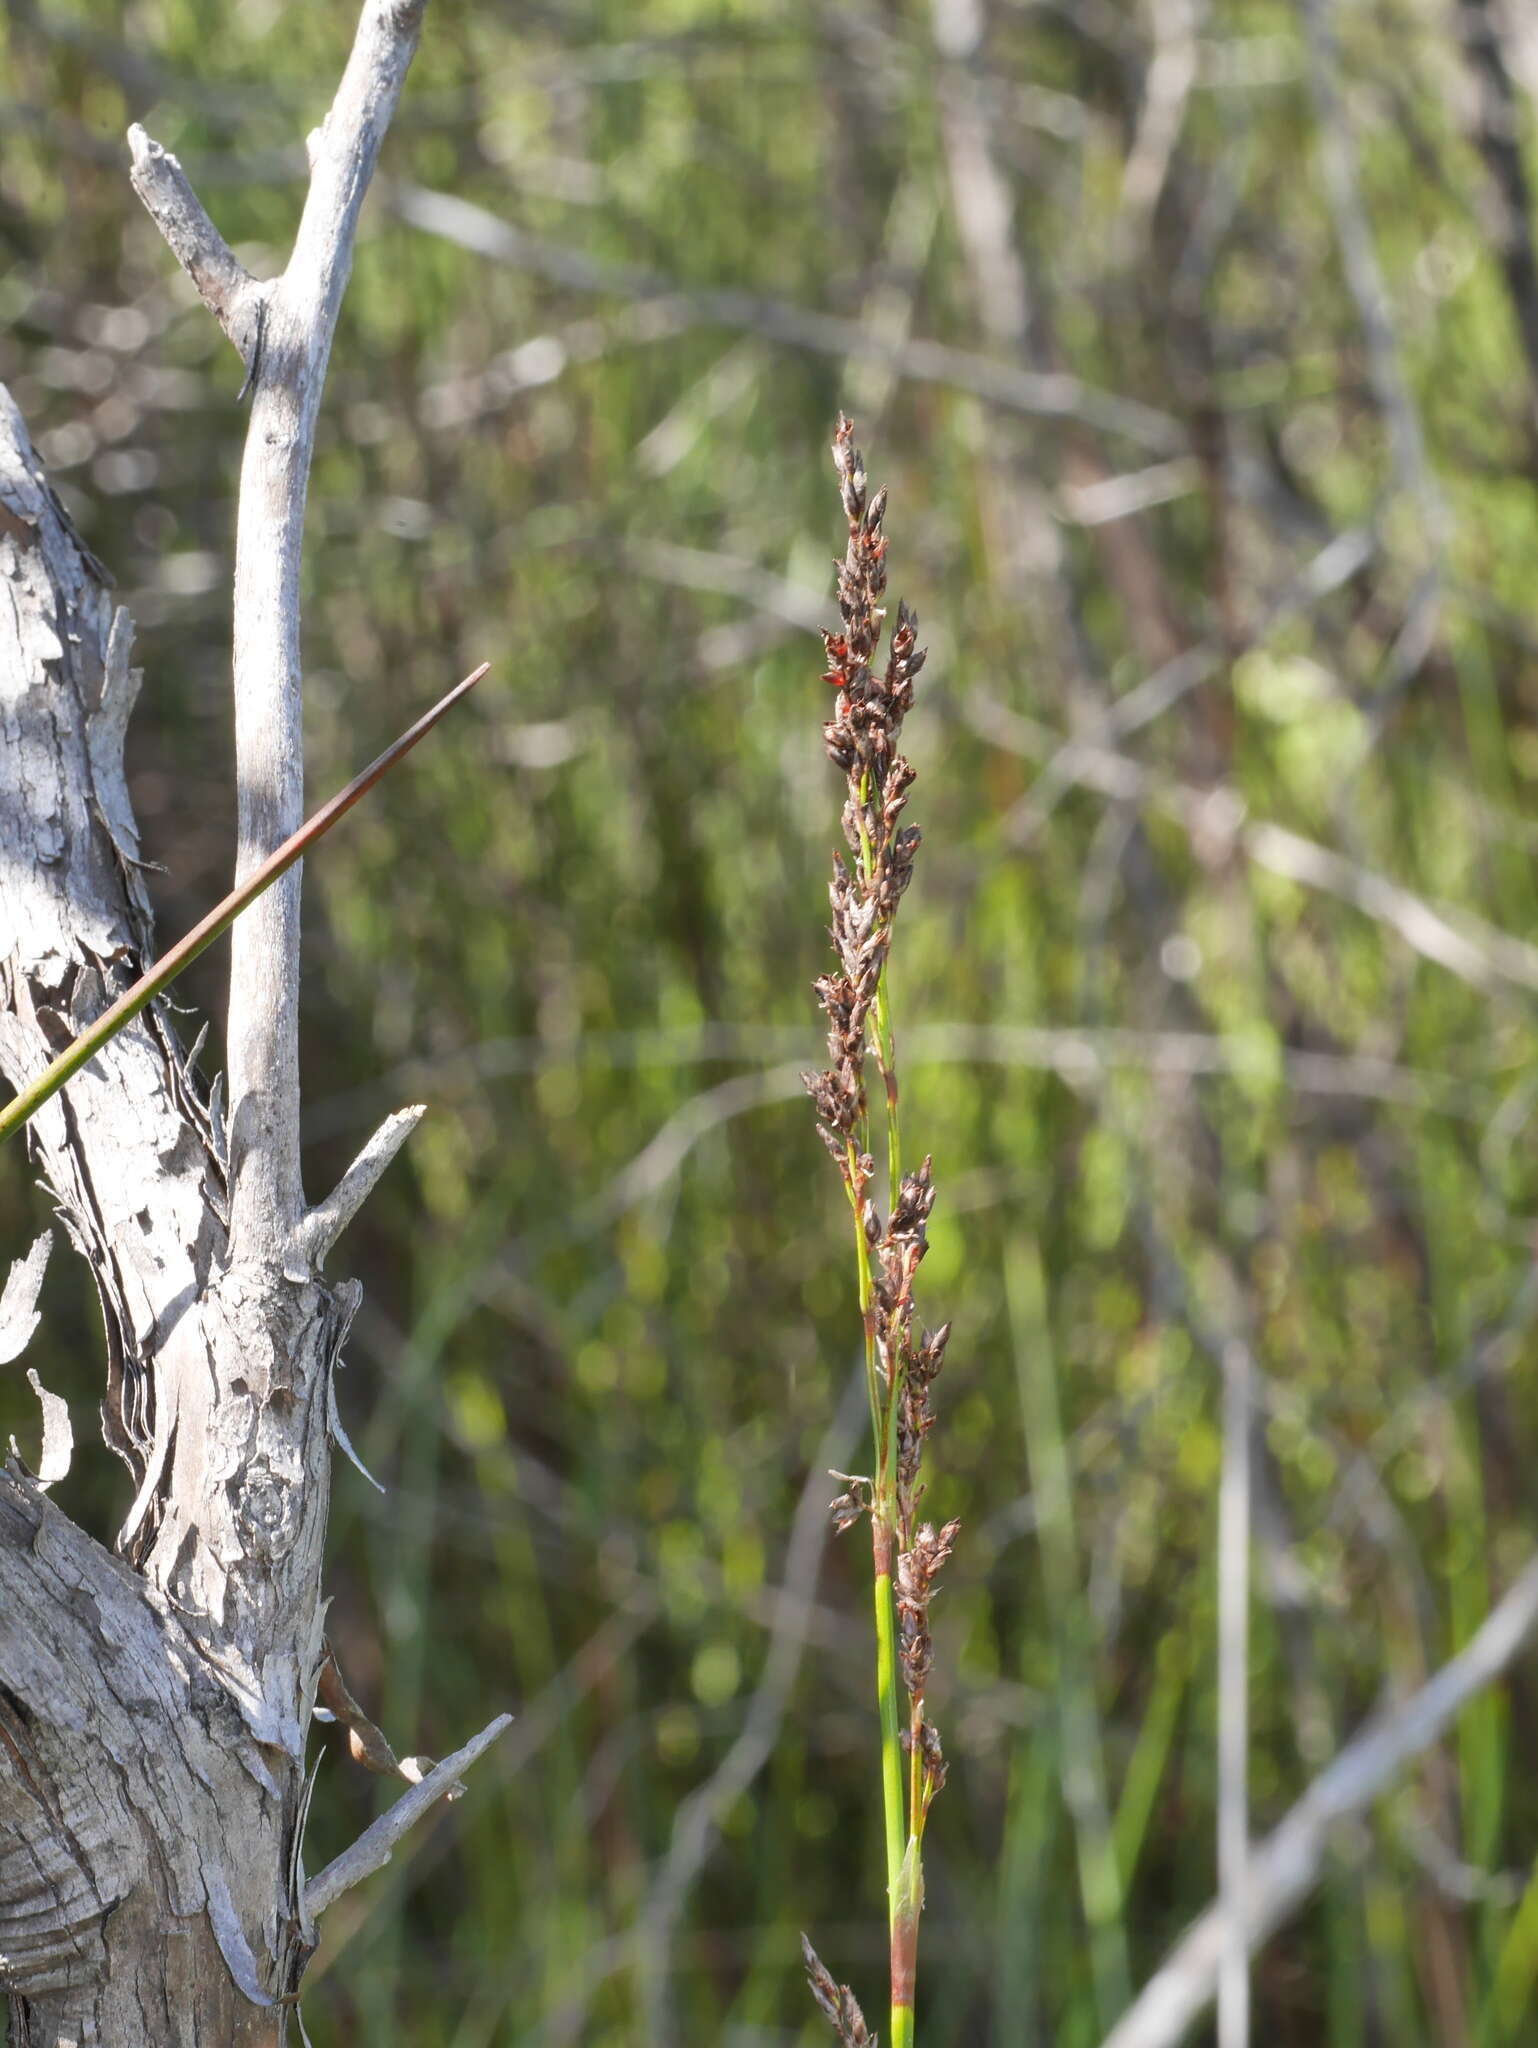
(137, 1812)
(152, 1711)
(154, 1704)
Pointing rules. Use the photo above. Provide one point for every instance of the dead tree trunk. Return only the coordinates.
(154, 1704)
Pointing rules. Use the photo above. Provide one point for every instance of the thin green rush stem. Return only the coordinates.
(24, 1106)
(905, 1886)
(882, 1520)
(886, 1701)
(884, 1533)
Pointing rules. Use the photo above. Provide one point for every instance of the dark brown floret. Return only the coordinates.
(836, 2002)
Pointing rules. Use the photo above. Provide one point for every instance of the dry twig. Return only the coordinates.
(1285, 1867)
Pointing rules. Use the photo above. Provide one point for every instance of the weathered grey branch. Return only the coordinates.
(217, 1393)
(982, 200)
(1234, 1526)
(299, 318)
(375, 1846)
(1167, 85)
(224, 284)
(1051, 394)
(1216, 817)
(1284, 1869)
(134, 1805)
(154, 1706)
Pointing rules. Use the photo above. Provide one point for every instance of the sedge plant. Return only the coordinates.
(902, 1358)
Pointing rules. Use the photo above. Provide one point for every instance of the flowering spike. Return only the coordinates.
(902, 1358)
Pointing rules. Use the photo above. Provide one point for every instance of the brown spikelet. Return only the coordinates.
(836, 2002)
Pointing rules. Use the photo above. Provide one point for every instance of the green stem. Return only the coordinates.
(904, 1884)
(902, 1914)
(882, 1538)
(219, 919)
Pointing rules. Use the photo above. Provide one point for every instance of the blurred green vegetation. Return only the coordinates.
(1180, 1081)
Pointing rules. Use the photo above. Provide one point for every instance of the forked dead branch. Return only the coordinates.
(155, 1700)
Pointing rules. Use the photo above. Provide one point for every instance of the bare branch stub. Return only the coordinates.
(323, 1225)
(375, 1846)
(224, 284)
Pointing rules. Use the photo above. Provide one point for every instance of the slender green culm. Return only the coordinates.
(30, 1100)
(901, 1358)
